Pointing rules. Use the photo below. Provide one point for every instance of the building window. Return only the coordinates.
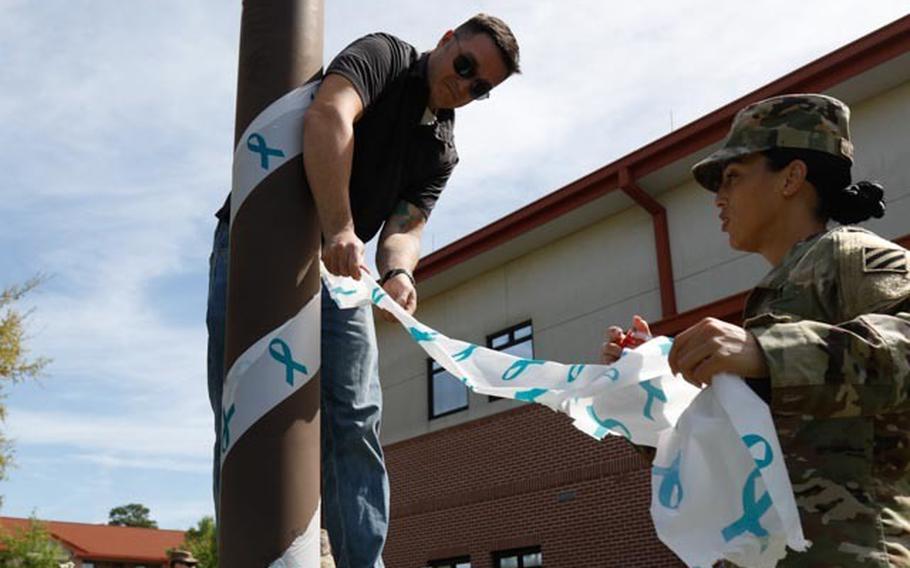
(520, 558)
(460, 562)
(517, 340)
(447, 394)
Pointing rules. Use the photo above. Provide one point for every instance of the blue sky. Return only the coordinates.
(118, 122)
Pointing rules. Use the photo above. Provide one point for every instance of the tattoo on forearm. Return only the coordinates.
(406, 216)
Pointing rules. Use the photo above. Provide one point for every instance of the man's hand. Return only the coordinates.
(342, 254)
(713, 346)
(400, 289)
(612, 347)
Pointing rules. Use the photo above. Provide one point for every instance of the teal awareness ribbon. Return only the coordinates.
(342, 291)
(226, 427)
(529, 395)
(670, 493)
(519, 367)
(419, 335)
(654, 392)
(261, 148)
(574, 372)
(612, 374)
(464, 353)
(607, 424)
(377, 295)
(285, 358)
(753, 509)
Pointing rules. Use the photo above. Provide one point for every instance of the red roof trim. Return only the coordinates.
(851, 60)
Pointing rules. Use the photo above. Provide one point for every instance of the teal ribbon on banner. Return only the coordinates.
(530, 395)
(753, 508)
(574, 372)
(342, 291)
(670, 493)
(420, 335)
(607, 424)
(226, 427)
(256, 143)
(654, 392)
(519, 367)
(285, 358)
(464, 353)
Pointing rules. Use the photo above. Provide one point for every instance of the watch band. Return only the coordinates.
(395, 272)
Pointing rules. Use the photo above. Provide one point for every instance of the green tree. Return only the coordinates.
(202, 541)
(31, 547)
(131, 515)
(15, 364)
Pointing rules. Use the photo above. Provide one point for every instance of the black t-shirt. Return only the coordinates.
(395, 157)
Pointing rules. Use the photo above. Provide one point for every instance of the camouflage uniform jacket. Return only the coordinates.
(833, 320)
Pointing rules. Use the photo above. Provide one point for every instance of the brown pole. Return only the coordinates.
(270, 478)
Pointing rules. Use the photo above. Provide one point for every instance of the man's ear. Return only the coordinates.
(795, 178)
(445, 38)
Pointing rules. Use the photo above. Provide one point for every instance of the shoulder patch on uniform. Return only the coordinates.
(884, 259)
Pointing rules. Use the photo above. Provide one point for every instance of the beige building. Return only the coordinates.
(637, 236)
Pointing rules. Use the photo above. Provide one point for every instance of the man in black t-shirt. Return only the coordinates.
(379, 150)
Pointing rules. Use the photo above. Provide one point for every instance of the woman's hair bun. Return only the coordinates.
(857, 202)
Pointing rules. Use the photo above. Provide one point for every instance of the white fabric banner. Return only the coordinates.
(269, 371)
(274, 137)
(305, 551)
(720, 486)
(719, 483)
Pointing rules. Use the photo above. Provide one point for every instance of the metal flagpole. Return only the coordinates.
(270, 473)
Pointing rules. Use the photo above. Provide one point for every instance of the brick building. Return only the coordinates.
(104, 546)
(480, 482)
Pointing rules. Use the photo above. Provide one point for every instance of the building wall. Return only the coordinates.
(518, 479)
(491, 477)
(575, 287)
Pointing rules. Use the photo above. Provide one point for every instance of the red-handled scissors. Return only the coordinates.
(633, 338)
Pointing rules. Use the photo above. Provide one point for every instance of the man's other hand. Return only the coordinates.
(400, 289)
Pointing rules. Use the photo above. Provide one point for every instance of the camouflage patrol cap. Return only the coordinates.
(802, 122)
(183, 557)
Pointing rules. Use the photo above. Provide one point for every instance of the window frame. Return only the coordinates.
(431, 375)
(449, 562)
(510, 331)
(499, 555)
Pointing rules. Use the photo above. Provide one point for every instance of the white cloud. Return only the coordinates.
(120, 439)
(164, 464)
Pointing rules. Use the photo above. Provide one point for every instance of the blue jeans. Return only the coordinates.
(355, 486)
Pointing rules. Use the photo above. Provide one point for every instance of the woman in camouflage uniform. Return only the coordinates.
(825, 338)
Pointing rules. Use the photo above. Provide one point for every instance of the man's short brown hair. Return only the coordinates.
(499, 32)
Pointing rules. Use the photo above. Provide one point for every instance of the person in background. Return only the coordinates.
(181, 559)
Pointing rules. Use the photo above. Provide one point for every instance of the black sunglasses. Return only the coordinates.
(466, 68)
